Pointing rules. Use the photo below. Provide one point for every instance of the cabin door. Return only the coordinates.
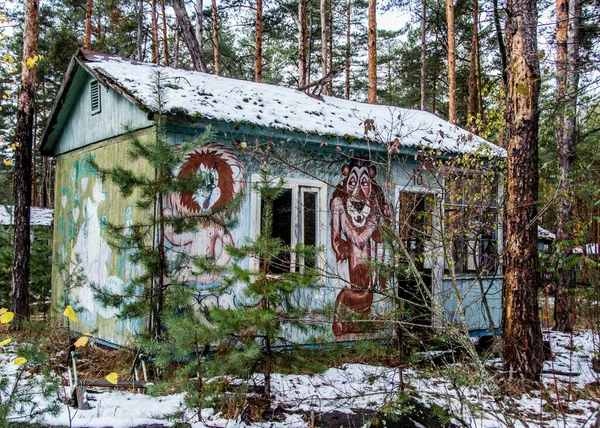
(414, 225)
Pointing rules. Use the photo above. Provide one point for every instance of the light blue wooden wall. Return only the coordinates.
(82, 128)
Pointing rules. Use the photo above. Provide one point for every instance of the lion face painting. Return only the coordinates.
(224, 178)
(357, 206)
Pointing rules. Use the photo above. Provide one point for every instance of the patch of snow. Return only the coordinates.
(207, 96)
(545, 234)
(588, 249)
(38, 216)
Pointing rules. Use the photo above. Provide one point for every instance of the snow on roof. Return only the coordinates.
(200, 95)
(38, 216)
(545, 234)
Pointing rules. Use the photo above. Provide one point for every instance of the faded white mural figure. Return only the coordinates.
(224, 176)
(92, 255)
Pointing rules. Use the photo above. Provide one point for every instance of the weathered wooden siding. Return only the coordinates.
(81, 245)
(83, 128)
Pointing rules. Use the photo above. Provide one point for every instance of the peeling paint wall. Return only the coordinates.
(82, 254)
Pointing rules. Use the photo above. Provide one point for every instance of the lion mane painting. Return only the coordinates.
(357, 207)
(224, 176)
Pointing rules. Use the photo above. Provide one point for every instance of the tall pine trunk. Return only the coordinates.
(140, 30)
(330, 45)
(451, 62)
(565, 303)
(522, 334)
(189, 36)
(215, 38)
(324, 62)
(501, 45)
(19, 295)
(259, 39)
(372, 53)
(155, 43)
(88, 24)
(348, 36)
(301, 43)
(423, 55)
(164, 33)
(473, 117)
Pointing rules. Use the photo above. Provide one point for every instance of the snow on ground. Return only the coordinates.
(357, 386)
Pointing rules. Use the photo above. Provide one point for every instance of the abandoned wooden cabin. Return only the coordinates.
(334, 155)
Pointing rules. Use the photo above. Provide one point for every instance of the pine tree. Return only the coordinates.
(257, 328)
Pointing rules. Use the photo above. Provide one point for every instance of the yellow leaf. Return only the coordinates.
(7, 162)
(5, 341)
(82, 341)
(3, 310)
(70, 313)
(19, 361)
(88, 334)
(6, 317)
(112, 378)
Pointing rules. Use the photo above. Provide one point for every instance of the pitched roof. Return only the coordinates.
(199, 96)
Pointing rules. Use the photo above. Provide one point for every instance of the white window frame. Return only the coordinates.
(298, 187)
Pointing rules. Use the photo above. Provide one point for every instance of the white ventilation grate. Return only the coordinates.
(95, 96)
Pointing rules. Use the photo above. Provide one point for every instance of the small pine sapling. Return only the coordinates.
(256, 328)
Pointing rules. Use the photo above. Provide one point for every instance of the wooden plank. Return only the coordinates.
(121, 384)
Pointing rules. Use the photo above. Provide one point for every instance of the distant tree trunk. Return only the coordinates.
(89, 5)
(140, 30)
(423, 55)
(155, 43)
(501, 46)
(215, 39)
(434, 89)
(310, 43)
(200, 24)
(564, 308)
(189, 36)
(259, 39)
(451, 62)
(523, 354)
(164, 32)
(473, 99)
(324, 61)
(19, 291)
(330, 53)
(176, 52)
(302, 43)
(348, 37)
(372, 53)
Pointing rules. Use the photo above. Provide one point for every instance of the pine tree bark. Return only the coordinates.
(348, 37)
(189, 37)
(301, 43)
(473, 98)
(140, 30)
(523, 354)
(424, 55)
(564, 308)
(259, 39)
(19, 292)
(215, 39)
(324, 61)
(330, 45)
(451, 62)
(155, 43)
(89, 5)
(372, 53)
(501, 45)
(164, 33)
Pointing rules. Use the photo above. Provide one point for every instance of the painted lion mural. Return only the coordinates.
(224, 176)
(357, 207)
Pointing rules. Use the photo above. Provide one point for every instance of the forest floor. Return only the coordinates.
(434, 394)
